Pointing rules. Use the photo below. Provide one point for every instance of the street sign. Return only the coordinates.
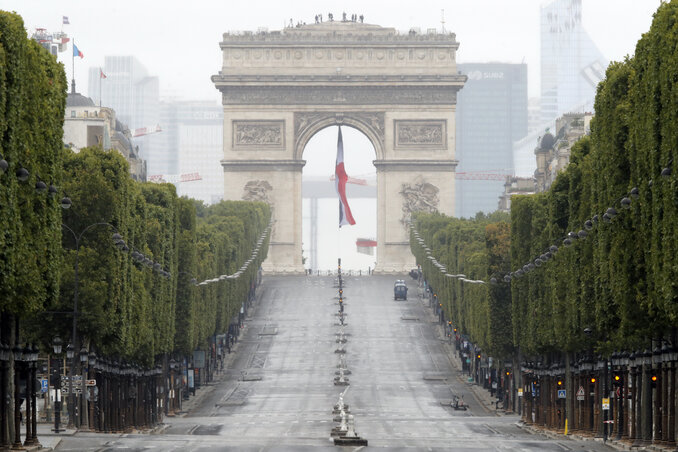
(606, 403)
(90, 382)
(520, 392)
(580, 393)
(43, 385)
(561, 393)
(199, 359)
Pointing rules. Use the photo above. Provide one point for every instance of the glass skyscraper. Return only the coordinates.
(491, 115)
(134, 95)
(571, 64)
(192, 141)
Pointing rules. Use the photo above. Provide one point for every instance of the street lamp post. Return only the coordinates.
(56, 382)
(92, 362)
(4, 395)
(84, 416)
(18, 353)
(31, 357)
(71, 406)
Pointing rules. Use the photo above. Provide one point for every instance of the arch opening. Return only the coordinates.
(322, 239)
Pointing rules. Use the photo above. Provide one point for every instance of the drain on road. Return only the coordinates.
(269, 330)
(258, 361)
(236, 398)
(213, 429)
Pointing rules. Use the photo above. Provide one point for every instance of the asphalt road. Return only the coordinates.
(279, 392)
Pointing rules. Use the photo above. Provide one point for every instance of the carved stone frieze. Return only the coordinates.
(418, 197)
(421, 134)
(350, 95)
(257, 190)
(374, 121)
(258, 134)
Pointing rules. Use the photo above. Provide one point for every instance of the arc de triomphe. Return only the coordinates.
(279, 88)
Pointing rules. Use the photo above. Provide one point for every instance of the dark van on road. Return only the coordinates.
(400, 290)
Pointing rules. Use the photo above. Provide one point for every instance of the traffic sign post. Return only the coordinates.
(562, 393)
(580, 393)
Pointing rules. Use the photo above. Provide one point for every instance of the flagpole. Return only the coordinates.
(101, 82)
(73, 64)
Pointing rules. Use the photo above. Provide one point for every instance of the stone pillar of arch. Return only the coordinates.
(280, 88)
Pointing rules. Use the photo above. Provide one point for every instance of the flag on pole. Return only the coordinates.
(101, 73)
(65, 20)
(340, 178)
(76, 52)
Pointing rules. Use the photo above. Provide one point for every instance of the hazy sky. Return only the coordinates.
(179, 40)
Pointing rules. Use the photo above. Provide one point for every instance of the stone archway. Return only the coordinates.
(280, 88)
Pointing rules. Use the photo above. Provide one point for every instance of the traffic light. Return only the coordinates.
(617, 380)
(653, 381)
(560, 382)
(593, 380)
(478, 356)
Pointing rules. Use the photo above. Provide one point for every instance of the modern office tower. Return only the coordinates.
(124, 85)
(491, 115)
(192, 140)
(571, 64)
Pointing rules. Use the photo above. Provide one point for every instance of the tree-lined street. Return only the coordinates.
(277, 390)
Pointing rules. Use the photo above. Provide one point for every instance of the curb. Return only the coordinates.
(615, 444)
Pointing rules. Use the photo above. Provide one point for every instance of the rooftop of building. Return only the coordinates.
(75, 99)
(338, 30)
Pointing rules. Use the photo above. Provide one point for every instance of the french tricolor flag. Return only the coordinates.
(340, 178)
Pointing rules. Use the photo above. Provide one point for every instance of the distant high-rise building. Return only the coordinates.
(491, 115)
(123, 84)
(571, 64)
(192, 141)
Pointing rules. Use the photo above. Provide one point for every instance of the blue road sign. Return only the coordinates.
(561, 393)
(43, 385)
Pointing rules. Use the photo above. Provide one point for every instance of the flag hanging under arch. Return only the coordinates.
(340, 178)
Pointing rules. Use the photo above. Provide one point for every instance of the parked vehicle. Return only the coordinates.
(400, 290)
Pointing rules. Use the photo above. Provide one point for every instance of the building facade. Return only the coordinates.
(552, 155)
(86, 124)
(491, 115)
(515, 186)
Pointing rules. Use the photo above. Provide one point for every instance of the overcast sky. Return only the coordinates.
(179, 41)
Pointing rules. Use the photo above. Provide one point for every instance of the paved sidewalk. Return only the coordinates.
(206, 389)
(481, 394)
(48, 439)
